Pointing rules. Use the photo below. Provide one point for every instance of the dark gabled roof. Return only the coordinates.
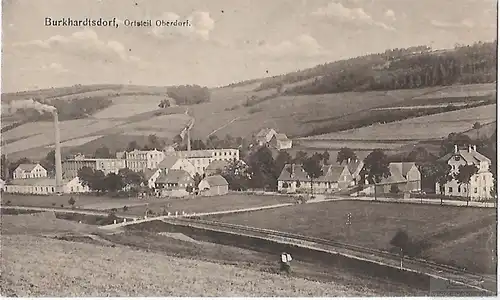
(263, 132)
(149, 173)
(27, 167)
(218, 165)
(174, 176)
(168, 162)
(472, 157)
(352, 165)
(216, 180)
(331, 173)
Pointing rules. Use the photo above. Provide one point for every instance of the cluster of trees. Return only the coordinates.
(153, 142)
(112, 183)
(189, 94)
(76, 108)
(413, 67)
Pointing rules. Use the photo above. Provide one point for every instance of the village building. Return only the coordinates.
(201, 159)
(213, 186)
(141, 160)
(480, 184)
(173, 183)
(27, 171)
(151, 176)
(216, 167)
(354, 167)
(176, 163)
(264, 136)
(294, 179)
(280, 141)
(106, 165)
(45, 186)
(2, 185)
(405, 176)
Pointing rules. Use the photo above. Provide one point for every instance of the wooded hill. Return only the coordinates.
(414, 67)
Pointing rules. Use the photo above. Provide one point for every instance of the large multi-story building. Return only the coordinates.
(480, 184)
(202, 158)
(142, 160)
(106, 165)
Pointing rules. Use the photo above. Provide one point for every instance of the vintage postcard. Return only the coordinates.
(249, 148)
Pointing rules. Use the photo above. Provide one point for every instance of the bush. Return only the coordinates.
(71, 201)
(254, 110)
(125, 208)
(8, 202)
(62, 205)
(53, 204)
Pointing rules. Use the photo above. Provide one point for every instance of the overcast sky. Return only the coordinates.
(229, 40)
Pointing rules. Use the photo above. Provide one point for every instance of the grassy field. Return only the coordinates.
(35, 266)
(210, 204)
(427, 127)
(375, 224)
(140, 206)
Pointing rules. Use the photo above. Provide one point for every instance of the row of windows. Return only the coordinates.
(450, 190)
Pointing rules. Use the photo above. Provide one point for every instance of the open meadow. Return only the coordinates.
(45, 256)
(138, 207)
(421, 128)
(375, 224)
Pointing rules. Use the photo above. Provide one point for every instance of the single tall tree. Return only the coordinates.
(300, 157)
(376, 167)
(282, 159)
(133, 146)
(102, 152)
(325, 157)
(312, 166)
(465, 173)
(345, 154)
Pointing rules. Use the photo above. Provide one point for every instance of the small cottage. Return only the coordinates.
(213, 186)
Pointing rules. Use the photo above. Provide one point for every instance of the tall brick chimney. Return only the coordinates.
(57, 142)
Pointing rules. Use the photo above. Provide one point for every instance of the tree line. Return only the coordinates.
(414, 67)
(187, 95)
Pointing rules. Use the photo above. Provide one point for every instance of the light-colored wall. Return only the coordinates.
(37, 172)
(152, 180)
(305, 187)
(184, 164)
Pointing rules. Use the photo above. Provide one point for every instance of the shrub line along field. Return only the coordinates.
(436, 225)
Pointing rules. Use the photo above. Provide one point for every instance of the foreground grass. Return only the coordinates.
(35, 266)
(373, 225)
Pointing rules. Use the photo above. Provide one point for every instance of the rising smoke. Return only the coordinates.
(30, 103)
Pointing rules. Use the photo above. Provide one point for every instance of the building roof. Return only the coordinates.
(331, 173)
(402, 168)
(472, 157)
(37, 182)
(27, 167)
(174, 176)
(216, 180)
(194, 154)
(281, 137)
(217, 165)
(396, 174)
(264, 132)
(352, 165)
(148, 173)
(168, 162)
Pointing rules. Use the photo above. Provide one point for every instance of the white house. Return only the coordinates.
(44, 186)
(177, 163)
(280, 141)
(173, 183)
(213, 185)
(265, 135)
(481, 183)
(201, 159)
(26, 171)
(294, 179)
(141, 160)
(354, 167)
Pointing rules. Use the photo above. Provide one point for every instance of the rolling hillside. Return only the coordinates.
(242, 109)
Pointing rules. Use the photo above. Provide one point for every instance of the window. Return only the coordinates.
(459, 189)
(450, 189)
(475, 190)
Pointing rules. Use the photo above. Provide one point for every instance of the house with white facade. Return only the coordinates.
(173, 183)
(480, 184)
(71, 166)
(141, 160)
(26, 171)
(354, 166)
(280, 141)
(151, 176)
(264, 136)
(45, 186)
(294, 179)
(177, 163)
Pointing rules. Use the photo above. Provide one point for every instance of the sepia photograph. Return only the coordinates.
(249, 148)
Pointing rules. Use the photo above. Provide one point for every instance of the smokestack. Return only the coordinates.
(57, 142)
(188, 139)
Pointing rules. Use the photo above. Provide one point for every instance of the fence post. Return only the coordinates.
(114, 221)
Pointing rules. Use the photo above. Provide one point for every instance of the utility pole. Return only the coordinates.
(348, 223)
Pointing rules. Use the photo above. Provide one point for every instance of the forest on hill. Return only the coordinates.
(414, 67)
